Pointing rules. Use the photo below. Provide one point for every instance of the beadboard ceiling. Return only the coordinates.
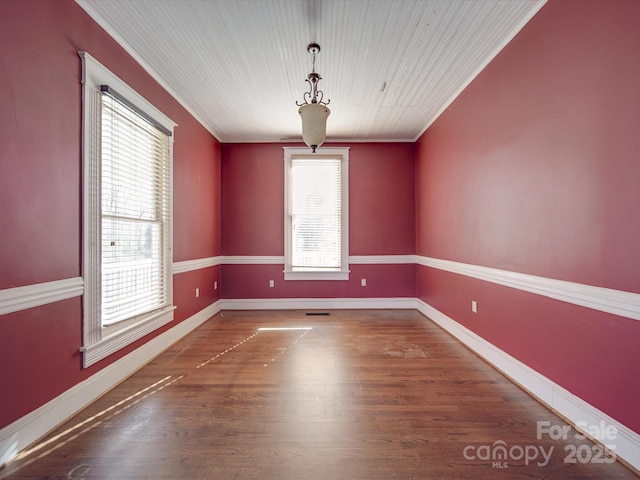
(389, 67)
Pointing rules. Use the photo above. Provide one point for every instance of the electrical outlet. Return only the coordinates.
(215, 285)
(363, 282)
(197, 292)
(474, 306)
(272, 283)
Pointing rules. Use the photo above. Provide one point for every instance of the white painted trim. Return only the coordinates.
(381, 259)
(29, 296)
(616, 302)
(353, 259)
(566, 404)
(252, 260)
(121, 337)
(95, 74)
(20, 434)
(317, 275)
(191, 265)
(318, 303)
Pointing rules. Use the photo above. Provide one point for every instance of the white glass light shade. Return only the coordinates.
(314, 123)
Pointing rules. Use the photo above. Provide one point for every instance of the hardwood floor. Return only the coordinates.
(353, 395)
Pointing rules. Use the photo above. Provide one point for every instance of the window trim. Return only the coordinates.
(98, 341)
(343, 273)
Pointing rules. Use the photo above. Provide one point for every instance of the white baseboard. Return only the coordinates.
(575, 410)
(23, 432)
(318, 303)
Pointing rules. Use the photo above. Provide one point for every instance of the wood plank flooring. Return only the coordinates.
(353, 395)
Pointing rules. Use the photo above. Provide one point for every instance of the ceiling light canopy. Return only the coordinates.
(313, 109)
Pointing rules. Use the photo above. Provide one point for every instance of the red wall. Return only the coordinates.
(534, 169)
(40, 193)
(381, 221)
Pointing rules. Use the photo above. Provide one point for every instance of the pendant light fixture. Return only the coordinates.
(313, 109)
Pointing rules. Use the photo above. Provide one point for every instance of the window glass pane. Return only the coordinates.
(316, 214)
(132, 280)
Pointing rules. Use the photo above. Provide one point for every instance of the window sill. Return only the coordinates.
(337, 275)
(122, 337)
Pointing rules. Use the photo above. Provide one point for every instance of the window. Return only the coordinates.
(127, 163)
(316, 214)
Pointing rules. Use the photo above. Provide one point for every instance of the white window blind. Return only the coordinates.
(316, 214)
(134, 212)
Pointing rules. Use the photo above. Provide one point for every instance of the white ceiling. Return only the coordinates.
(389, 67)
